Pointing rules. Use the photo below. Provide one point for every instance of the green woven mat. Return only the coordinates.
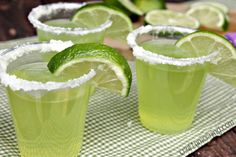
(113, 128)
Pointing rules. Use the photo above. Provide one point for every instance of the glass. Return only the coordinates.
(48, 112)
(52, 21)
(168, 85)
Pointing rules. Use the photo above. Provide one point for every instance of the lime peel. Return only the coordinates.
(204, 13)
(220, 6)
(16, 83)
(131, 7)
(95, 54)
(154, 58)
(119, 73)
(167, 17)
(46, 10)
(121, 23)
(225, 68)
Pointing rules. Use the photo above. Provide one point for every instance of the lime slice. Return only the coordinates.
(220, 6)
(209, 16)
(96, 14)
(203, 43)
(126, 5)
(226, 71)
(149, 5)
(112, 70)
(167, 17)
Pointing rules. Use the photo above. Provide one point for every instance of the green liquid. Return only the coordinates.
(48, 123)
(168, 95)
(66, 23)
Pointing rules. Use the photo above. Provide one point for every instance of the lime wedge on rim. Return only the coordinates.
(220, 6)
(112, 70)
(126, 5)
(95, 14)
(167, 17)
(149, 5)
(204, 43)
(209, 16)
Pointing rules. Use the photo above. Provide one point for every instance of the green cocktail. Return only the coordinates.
(48, 123)
(49, 85)
(53, 21)
(169, 80)
(48, 112)
(168, 95)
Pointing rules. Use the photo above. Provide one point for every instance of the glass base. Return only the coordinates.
(156, 125)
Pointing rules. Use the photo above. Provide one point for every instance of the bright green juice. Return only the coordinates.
(48, 123)
(66, 23)
(167, 94)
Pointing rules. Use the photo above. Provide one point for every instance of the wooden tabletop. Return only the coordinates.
(14, 27)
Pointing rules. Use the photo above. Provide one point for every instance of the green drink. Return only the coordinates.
(48, 123)
(169, 80)
(49, 85)
(53, 21)
(48, 111)
(168, 95)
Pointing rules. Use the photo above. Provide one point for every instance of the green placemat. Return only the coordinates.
(113, 128)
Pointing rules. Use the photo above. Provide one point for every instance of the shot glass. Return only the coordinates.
(49, 116)
(168, 88)
(52, 21)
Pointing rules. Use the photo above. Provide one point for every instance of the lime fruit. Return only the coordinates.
(204, 43)
(126, 5)
(167, 17)
(210, 17)
(95, 14)
(220, 6)
(149, 5)
(112, 70)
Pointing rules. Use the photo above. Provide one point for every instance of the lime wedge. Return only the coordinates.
(149, 5)
(220, 6)
(210, 16)
(112, 70)
(226, 72)
(95, 14)
(203, 43)
(167, 17)
(126, 5)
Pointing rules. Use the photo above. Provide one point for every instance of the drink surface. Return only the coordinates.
(168, 94)
(37, 72)
(48, 123)
(66, 23)
(63, 22)
(164, 47)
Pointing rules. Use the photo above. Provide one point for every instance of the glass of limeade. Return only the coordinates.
(53, 21)
(48, 111)
(169, 80)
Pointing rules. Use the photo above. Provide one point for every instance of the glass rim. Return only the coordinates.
(45, 10)
(153, 58)
(16, 83)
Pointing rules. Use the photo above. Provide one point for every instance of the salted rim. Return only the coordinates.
(16, 83)
(153, 58)
(47, 10)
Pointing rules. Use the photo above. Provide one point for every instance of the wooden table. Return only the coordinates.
(224, 146)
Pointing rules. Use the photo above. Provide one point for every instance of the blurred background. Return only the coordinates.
(13, 16)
